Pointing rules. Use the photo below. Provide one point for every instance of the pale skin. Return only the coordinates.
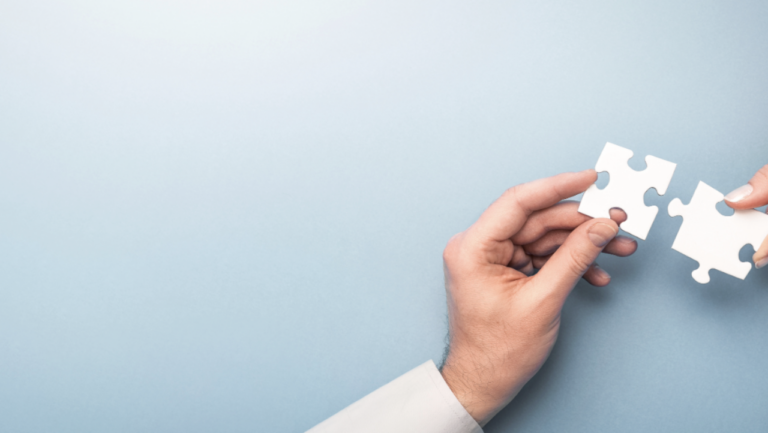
(504, 316)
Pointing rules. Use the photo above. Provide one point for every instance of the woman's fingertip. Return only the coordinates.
(761, 263)
(739, 193)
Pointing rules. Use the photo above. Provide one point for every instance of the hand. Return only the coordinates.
(752, 195)
(503, 319)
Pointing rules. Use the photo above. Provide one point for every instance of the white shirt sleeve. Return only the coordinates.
(419, 402)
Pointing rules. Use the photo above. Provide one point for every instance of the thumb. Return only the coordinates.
(575, 256)
(752, 195)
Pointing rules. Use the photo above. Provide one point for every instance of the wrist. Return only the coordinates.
(475, 390)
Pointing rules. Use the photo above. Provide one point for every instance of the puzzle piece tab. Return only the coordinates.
(627, 188)
(714, 240)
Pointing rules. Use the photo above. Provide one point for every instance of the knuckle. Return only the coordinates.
(452, 249)
(512, 193)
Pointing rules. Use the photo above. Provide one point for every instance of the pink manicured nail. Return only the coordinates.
(739, 193)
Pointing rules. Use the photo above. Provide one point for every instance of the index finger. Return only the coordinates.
(507, 215)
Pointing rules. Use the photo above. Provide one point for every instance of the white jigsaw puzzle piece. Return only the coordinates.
(626, 189)
(714, 240)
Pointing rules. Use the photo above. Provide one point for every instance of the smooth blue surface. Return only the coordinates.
(229, 216)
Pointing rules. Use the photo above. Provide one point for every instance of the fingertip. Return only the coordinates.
(584, 179)
(592, 173)
(736, 197)
(598, 283)
(618, 215)
(621, 246)
(597, 276)
(736, 205)
(634, 243)
(751, 195)
(761, 255)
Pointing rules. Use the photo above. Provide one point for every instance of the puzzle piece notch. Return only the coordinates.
(626, 189)
(714, 240)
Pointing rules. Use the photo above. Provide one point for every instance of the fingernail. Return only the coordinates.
(739, 193)
(600, 234)
(625, 240)
(602, 272)
(761, 263)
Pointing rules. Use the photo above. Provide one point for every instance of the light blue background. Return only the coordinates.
(229, 216)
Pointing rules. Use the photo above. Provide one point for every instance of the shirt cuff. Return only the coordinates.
(419, 401)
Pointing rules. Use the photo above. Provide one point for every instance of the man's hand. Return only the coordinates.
(752, 195)
(503, 319)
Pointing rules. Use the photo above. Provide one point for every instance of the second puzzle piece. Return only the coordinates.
(626, 189)
(714, 240)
